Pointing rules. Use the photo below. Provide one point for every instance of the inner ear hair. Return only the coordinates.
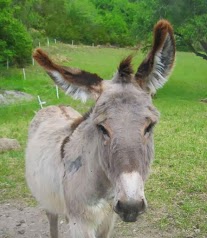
(75, 82)
(156, 67)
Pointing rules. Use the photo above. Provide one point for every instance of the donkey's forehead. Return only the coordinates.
(118, 97)
(123, 94)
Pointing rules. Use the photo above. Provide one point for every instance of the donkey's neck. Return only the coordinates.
(82, 163)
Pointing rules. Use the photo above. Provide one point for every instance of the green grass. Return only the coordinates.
(177, 187)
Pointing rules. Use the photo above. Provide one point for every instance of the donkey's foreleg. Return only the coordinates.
(81, 229)
(53, 223)
(106, 227)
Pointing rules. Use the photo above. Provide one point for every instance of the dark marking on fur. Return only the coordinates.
(79, 120)
(64, 112)
(80, 77)
(73, 166)
(72, 75)
(62, 148)
(74, 125)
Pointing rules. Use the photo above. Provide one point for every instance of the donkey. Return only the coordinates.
(92, 167)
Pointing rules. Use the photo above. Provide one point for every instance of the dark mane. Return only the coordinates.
(79, 120)
(75, 124)
(125, 69)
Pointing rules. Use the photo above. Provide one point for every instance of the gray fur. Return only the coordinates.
(100, 165)
(87, 188)
(73, 166)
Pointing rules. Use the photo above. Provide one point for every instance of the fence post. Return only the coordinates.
(7, 64)
(48, 42)
(57, 91)
(24, 73)
(40, 102)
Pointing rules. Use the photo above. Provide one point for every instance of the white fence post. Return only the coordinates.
(40, 102)
(7, 64)
(24, 73)
(57, 91)
(48, 42)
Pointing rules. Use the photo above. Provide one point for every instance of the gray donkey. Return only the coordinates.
(91, 167)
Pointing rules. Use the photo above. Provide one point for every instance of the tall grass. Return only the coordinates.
(177, 187)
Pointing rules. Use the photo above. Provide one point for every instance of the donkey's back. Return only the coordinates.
(44, 168)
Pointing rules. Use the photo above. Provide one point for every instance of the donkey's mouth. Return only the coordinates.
(130, 217)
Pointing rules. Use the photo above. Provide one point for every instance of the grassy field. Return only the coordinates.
(177, 187)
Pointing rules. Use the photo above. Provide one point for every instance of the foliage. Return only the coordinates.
(189, 19)
(115, 22)
(15, 42)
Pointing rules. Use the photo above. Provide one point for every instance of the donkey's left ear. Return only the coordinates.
(75, 82)
(155, 69)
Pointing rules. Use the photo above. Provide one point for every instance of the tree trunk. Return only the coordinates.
(192, 48)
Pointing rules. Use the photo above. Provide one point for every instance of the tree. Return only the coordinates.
(189, 18)
(15, 42)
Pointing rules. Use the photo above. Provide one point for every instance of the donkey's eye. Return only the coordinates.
(149, 128)
(103, 130)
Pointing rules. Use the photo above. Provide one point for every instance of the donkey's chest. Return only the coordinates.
(97, 212)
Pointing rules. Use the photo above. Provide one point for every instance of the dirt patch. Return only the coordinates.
(19, 221)
(8, 144)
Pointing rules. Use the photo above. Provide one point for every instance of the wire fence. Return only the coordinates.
(40, 43)
(9, 100)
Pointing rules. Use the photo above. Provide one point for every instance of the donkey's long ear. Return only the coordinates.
(77, 83)
(155, 69)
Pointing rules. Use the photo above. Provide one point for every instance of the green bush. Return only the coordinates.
(15, 41)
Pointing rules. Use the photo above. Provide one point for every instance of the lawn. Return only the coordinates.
(176, 189)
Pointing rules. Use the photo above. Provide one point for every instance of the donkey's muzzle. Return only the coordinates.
(129, 211)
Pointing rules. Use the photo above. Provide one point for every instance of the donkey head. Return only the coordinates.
(123, 116)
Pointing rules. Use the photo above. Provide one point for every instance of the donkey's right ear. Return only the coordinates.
(157, 66)
(75, 82)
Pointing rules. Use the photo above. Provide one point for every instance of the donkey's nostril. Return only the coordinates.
(129, 210)
(119, 207)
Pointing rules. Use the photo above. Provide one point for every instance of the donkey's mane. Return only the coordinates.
(80, 119)
(125, 69)
(74, 125)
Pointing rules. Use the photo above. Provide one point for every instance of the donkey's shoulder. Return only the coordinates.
(53, 114)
